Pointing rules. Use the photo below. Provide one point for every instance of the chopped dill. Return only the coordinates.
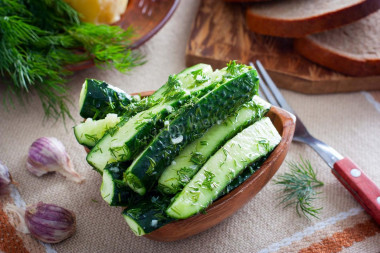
(208, 182)
(92, 137)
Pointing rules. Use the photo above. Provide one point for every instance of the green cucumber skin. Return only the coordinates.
(194, 155)
(161, 94)
(101, 99)
(151, 208)
(126, 148)
(226, 164)
(122, 194)
(190, 123)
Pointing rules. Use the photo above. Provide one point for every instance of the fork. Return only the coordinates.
(362, 188)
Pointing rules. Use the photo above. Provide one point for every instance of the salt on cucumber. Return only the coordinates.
(131, 135)
(194, 155)
(246, 147)
(91, 131)
(113, 189)
(98, 98)
(189, 123)
(148, 214)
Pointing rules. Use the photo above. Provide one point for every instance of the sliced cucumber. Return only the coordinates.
(246, 147)
(97, 99)
(91, 131)
(113, 189)
(244, 175)
(148, 214)
(194, 155)
(190, 123)
(172, 88)
(130, 136)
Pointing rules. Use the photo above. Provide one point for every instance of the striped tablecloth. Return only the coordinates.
(348, 122)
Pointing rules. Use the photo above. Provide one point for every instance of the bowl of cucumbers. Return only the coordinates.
(187, 156)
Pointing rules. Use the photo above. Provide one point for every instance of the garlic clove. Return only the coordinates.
(47, 154)
(50, 223)
(5, 178)
(47, 222)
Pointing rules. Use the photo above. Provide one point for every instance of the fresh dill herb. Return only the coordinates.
(41, 39)
(152, 165)
(299, 188)
(208, 182)
(184, 175)
(204, 143)
(265, 143)
(199, 76)
(92, 137)
(197, 158)
(114, 151)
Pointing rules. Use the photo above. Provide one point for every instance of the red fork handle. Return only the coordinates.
(361, 187)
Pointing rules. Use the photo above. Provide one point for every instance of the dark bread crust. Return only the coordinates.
(297, 28)
(335, 60)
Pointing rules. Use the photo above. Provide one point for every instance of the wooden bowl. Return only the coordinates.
(233, 201)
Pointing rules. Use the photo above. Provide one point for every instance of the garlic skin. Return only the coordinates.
(5, 178)
(47, 154)
(50, 223)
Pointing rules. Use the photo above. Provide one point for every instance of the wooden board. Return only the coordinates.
(219, 34)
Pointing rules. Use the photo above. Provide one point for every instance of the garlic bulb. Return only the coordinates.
(46, 222)
(47, 154)
(50, 223)
(5, 178)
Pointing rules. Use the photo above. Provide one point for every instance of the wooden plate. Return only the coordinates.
(146, 16)
(229, 204)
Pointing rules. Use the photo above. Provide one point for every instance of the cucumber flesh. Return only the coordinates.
(130, 136)
(190, 123)
(246, 147)
(194, 155)
(113, 189)
(91, 131)
(244, 175)
(98, 98)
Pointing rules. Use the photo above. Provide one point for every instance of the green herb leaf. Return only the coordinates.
(40, 39)
(298, 188)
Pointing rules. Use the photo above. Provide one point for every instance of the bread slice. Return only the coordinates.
(298, 18)
(353, 49)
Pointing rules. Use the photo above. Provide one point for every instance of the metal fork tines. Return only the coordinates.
(270, 91)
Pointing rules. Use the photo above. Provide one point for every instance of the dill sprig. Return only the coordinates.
(299, 188)
(39, 39)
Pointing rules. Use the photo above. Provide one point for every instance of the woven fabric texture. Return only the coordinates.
(348, 122)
